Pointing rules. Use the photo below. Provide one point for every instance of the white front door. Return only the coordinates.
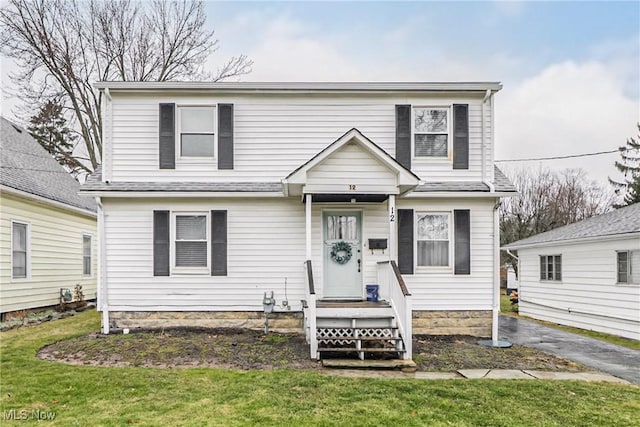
(342, 251)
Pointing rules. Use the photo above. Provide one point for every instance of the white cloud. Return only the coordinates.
(567, 108)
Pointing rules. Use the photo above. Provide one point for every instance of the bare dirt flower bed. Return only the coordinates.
(248, 349)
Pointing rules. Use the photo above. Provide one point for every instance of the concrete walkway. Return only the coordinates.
(496, 374)
(616, 360)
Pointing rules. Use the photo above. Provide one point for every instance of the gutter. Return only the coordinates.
(574, 241)
(44, 200)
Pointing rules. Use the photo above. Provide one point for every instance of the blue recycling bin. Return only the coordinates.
(372, 292)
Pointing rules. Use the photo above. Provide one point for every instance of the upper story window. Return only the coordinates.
(551, 267)
(431, 132)
(433, 237)
(196, 128)
(19, 250)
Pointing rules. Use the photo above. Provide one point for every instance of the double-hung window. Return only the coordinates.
(197, 131)
(433, 239)
(191, 242)
(431, 132)
(551, 267)
(19, 250)
(86, 255)
(625, 263)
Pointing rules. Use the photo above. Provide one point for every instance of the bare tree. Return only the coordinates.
(63, 46)
(548, 200)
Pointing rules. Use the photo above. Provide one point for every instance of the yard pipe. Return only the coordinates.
(103, 303)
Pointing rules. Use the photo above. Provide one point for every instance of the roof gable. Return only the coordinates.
(353, 145)
(29, 168)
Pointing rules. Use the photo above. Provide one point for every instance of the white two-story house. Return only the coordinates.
(212, 195)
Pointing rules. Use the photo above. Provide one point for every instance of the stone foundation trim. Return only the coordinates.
(452, 322)
(278, 322)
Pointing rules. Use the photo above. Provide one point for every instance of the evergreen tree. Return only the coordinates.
(49, 128)
(629, 166)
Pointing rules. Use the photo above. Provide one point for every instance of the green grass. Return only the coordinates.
(505, 308)
(83, 395)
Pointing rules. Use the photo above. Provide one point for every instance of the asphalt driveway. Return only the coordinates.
(616, 360)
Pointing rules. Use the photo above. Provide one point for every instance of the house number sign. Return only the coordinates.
(352, 187)
(392, 215)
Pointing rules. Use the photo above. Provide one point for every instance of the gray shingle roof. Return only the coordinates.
(621, 221)
(26, 166)
(501, 184)
(94, 183)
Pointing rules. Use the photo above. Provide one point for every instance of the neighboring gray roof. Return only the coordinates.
(501, 184)
(621, 221)
(94, 183)
(26, 166)
(304, 86)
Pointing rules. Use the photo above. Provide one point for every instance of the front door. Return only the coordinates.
(342, 237)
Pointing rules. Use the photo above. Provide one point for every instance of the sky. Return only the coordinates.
(570, 70)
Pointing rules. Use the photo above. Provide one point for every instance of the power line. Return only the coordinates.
(559, 157)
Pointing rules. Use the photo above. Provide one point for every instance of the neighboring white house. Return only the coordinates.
(585, 274)
(48, 233)
(213, 194)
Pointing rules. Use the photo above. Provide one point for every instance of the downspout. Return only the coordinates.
(103, 303)
(495, 310)
(483, 163)
(106, 147)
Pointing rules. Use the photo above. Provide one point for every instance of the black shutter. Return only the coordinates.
(161, 243)
(225, 136)
(462, 227)
(405, 241)
(218, 243)
(167, 136)
(403, 135)
(461, 136)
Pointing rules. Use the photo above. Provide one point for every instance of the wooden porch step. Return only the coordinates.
(368, 364)
(358, 327)
(359, 338)
(351, 317)
(361, 350)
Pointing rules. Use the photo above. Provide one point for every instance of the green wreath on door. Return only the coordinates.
(341, 252)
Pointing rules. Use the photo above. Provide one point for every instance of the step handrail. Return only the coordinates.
(399, 296)
(310, 311)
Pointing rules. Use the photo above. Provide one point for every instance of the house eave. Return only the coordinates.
(301, 87)
(45, 201)
(590, 239)
(457, 194)
(183, 194)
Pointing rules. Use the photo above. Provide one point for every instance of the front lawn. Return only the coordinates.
(90, 395)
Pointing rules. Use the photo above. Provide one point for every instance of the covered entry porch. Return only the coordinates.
(349, 192)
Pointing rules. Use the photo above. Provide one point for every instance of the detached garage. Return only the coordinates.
(585, 274)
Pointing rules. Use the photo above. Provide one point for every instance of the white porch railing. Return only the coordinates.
(393, 289)
(310, 329)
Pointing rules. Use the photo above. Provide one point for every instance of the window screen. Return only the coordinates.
(19, 250)
(191, 241)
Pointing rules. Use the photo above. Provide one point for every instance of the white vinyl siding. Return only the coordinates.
(266, 249)
(19, 250)
(87, 255)
(590, 296)
(351, 169)
(55, 254)
(275, 134)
